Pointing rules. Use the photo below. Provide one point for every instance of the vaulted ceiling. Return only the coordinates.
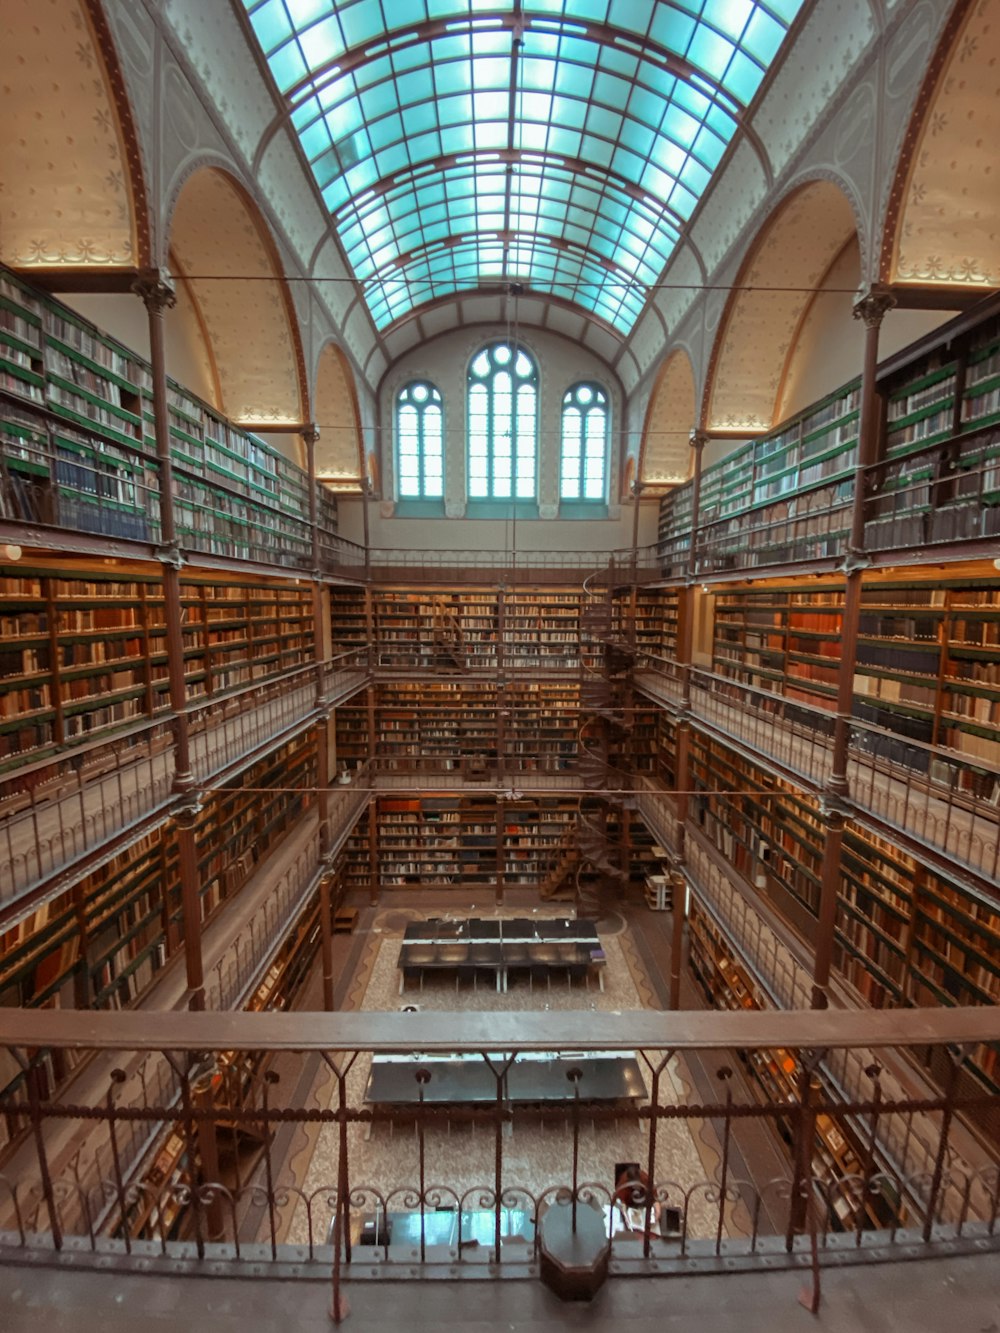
(555, 147)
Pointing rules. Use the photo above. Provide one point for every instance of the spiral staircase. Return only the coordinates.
(590, 865)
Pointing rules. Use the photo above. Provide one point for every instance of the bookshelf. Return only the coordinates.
(83, 649)
(470, 840)
(349, 619)
(775, 1075)
(101, 943)
(76, 417)
(656, 624)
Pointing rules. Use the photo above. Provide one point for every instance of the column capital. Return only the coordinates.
(156, 289)
(188, 809)
(874, 305)
(310, 432)
(698, 438)
(833, 808)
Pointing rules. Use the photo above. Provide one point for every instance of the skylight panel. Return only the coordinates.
(650, 101)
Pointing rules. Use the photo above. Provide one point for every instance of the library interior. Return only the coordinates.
(499, 646)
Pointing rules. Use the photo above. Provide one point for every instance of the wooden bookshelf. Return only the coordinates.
(837, 1150)
(470, 841)
(79, 451)
(83, 649)
(101, 943)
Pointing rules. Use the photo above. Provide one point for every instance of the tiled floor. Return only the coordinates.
(458, 1156)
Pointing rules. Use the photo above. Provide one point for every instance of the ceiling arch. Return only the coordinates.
(596, 126)
(225, 256)
(772, 293)
(944, 224)
(339, 453)
(74, 189)
(665, 455)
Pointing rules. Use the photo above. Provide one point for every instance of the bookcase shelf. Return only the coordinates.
(837, 1151)
(477, 630)
(83, 649)
(79, 450)
(470, 841)
(101, 943)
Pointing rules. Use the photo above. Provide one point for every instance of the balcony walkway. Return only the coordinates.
(921, 1297)
(50, 835)
(965, 830)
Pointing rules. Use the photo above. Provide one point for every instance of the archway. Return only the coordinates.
(772, 294)
(74, 194)
(221, 250)
(665, 454)
(943, 227)
(339, 455)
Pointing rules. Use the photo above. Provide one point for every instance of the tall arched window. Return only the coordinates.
(419, 443)
(584, 468)
(503, 424)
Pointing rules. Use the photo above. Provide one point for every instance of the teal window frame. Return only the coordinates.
(502, 393)
(419, 443)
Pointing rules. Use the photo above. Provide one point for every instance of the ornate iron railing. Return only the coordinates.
(125, 1162)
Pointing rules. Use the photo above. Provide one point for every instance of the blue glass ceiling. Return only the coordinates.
(560, 145)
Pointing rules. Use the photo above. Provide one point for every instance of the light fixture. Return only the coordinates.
(11, 552)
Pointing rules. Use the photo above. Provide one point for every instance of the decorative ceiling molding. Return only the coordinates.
(235, 275)
(74, 191)
(943, 226)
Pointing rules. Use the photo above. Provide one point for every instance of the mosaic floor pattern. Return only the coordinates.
(461, 1156)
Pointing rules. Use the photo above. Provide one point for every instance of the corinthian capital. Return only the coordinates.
(156, 289)
(874, 305)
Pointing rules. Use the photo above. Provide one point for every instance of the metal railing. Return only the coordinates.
(939, 796)
(935, 495)
(795, 734)
(55, 811)
(942, 797)
(118, 496)
(479, 564)
(806, 526)
(198, 1081)
(905, 1146)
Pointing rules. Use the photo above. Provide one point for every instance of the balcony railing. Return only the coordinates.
(809, 526)
(488, 565)
(202, 1081)
(939, 796)
(44, 484)
(925, 499)
(56, 811)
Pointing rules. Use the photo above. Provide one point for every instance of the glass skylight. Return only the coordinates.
(460, 146)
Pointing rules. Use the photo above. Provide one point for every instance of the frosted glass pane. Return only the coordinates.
(397, 113)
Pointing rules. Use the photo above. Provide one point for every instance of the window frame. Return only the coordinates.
(435, 399)
(601, 401)
(487, 381)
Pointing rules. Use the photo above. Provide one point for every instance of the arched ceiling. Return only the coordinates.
(338, 451)
(666, 451)
(554, 146)
(949, 224)
(770, 298)
(66, 196)
(243, 305)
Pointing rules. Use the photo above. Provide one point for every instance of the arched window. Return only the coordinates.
(503, 424)
(584, 468)
(419, 443)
